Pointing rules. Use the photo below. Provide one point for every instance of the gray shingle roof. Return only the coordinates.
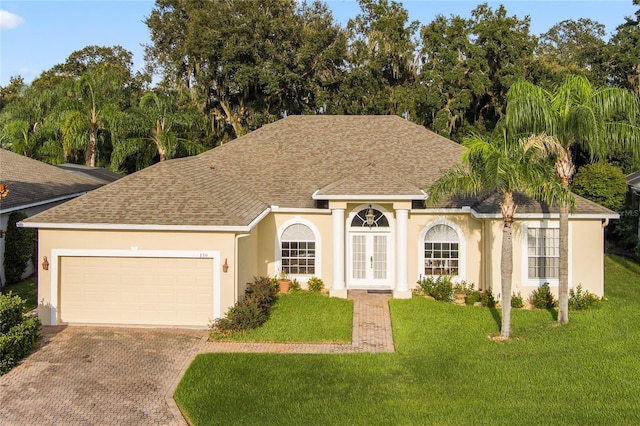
(103, 176)
(281, 164)
(491, 204)
(33, 182)
(633, 180)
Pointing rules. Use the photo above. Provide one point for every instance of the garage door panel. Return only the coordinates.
(136, 291)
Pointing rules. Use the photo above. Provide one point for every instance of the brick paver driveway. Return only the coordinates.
(125, 376)
(96, 375)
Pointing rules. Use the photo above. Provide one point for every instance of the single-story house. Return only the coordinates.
(34, 187)
(341, 198)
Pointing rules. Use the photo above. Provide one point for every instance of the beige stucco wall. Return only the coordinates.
(246, 265)
(268, 244)
(418, 220)
(586, 263)
(256, 253)
(125, 240)
(472, 233)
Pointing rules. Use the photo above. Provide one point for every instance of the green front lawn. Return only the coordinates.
(303, 317)
(445, 371)
(27, 290)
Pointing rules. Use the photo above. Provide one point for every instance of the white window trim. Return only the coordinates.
(134, 252)
(536, 282)
(462, 249)
(318, 240)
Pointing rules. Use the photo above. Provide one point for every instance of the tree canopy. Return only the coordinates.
(235, 65)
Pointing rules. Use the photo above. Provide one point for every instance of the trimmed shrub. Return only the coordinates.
(262, 291)
(17, 343)
(517, 301)
(252, 310)
(295, 285)
(439, 288)
(472, 298)
(463, 287)
(11, 308)
(315, 284)
(20, 245)
(541, 298)
(580, 299)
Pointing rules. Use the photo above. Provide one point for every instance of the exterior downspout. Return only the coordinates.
(235, 260)
(483, 255)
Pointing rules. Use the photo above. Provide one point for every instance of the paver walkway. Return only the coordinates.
(371, 332)
(126, 376)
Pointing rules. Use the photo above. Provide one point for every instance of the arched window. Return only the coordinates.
(441, 251)
(379, 219)
(298, 250)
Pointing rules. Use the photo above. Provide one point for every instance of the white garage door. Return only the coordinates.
(136, 291)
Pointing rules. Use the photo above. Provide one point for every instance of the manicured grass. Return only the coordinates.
(304, 317)
(27, 290)
(445, 371)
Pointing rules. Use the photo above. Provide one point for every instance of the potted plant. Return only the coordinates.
(283, 281)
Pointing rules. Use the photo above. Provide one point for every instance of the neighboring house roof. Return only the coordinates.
(103, 176)
(491, 205)
(633, 180)
(33, 182)
(288, 164)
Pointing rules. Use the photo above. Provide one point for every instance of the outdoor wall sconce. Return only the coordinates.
(45, 263)
(1, 233)
(225, 265)
(370, 216)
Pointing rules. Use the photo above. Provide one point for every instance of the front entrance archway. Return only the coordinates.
(369, 249)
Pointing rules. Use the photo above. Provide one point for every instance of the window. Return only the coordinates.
(298, 250)
(379, 219)
(441, 251)
(543, 252)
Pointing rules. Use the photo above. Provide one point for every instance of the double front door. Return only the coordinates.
(369, 260)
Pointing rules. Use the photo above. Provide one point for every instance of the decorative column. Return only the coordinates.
(401, 290)
(338, 288)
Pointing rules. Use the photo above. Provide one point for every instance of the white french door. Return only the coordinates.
(369, 263)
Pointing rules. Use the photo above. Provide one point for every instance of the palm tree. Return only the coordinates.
(26, 124)
(93, 107)
(155, 120)
(599, 121)
(499, 164)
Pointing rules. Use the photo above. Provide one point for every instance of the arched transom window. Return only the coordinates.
(441, 251)
(379, 219)
(298, 250)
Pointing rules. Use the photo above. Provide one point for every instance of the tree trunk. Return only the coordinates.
(508, 208)
(506, 270)
(157, 137)
(90, 152)
(563, 275)
(565, 170)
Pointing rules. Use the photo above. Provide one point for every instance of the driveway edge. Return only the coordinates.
(168, 397)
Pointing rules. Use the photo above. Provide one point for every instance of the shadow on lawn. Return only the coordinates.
(496, 317)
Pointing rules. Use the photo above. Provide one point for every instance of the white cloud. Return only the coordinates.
(9, 20)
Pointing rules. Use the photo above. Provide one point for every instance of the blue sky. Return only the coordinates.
(36, 35)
